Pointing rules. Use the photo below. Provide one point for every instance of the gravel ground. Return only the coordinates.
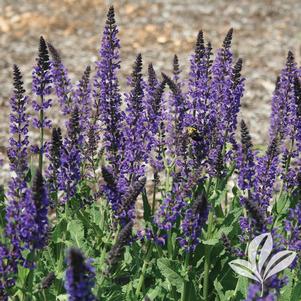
(264, 30)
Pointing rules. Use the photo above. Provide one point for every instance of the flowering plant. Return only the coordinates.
(71, 225)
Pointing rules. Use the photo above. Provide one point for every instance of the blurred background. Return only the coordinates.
(264, 30)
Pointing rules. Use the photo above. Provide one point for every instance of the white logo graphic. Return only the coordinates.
(261, 265)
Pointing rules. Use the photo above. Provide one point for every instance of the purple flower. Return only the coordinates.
(254, 292)
(193, 223)
(199, 92)
(71, 157)
(27, 214)
(82, 96)
(176, 117)
(19, 198)
(106, 92)
(232, 251)
(80, 277)
(55, 154)
(135, 132)
(41, 204)
(41, 86)
(61, 80)
(117, 249)
(156, 128)
(8, 267)
(245, 160)
(18, 141)
(283, 116)
(266, 172)
(225, 95)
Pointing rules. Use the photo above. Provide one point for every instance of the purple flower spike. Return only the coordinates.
(83, 98)
(283, 116)
(193, 223)
(226, 91)
(41, 204)
(71, 157)
(61, 80)
(199, 93)
(80, 277)
(18, 141)
(106, 92)
(41, 86)
(135, 132)
(245, 160)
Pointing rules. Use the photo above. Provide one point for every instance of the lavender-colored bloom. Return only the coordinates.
(177, 140)
(80, 277)
(41, 204)
(199, 81)
(7, 270)
(82, 96)
(292, 229)
(169, 211)
(149, 235)
(117, 250)
(26, 215)
(122, 204)
(254, 292)
(55, 154)
(232, 251)
(61, 80)
(193, 223)
(156, 127)
(106, 92)
(172, 205)
(297, 88)
(245, 160)
(41, 87)
(126, 209)
(177, 114)
(90, 151)
(225, 94)
(283, 116)
(199, 92)
(266, 172)
(110, 189)
(19, 198)
(152, 105)
(71, 157)
(257, 221)
(18, 141)
(135, 132)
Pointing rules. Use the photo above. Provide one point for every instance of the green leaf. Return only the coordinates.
(296, 292)
(76, 230)
(211, 242)
(286, 292)
(62, 298)
(219, 290)
(58, 230)
(170, 270)
(242, 285)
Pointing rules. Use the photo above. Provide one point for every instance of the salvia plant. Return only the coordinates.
(150, 193)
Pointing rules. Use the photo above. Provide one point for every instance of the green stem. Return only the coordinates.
(154, 194)
(169, 244)
(207, 258)
(143, 271)
(41, 136)
(185, 286)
